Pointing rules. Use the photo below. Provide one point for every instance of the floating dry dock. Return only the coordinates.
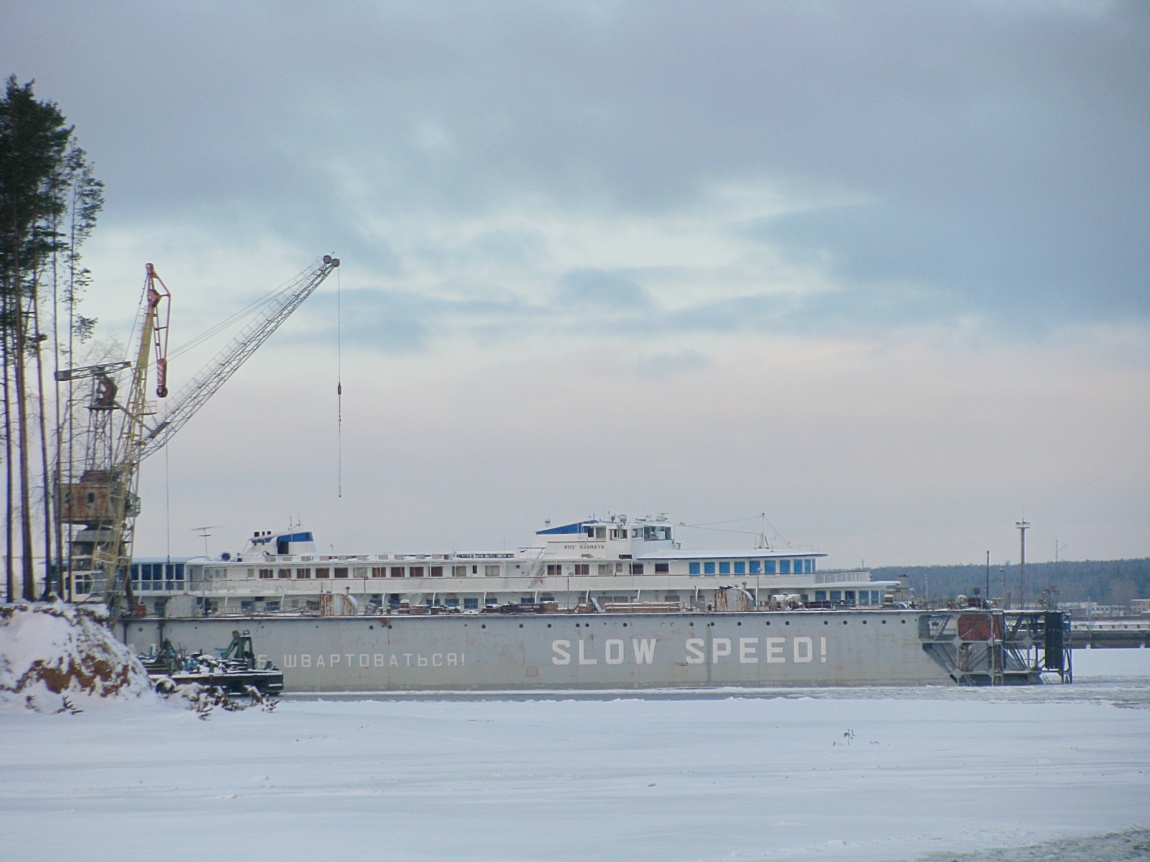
(510, 651)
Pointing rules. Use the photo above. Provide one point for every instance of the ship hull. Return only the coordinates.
(574, 651)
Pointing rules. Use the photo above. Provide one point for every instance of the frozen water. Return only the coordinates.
(873, 774)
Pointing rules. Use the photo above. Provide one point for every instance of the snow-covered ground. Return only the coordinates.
(876, 774)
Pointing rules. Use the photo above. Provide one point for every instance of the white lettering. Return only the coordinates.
(349, 657)
(394, 662)
(437, 659)
(747, 648)
(694, 653)
(305, 660)
(614, 651)
(560, 648)
(720, 647)
(334, 660)
(452, 659)
(407, 656)
(775, 650)
(319, 661)
(582, 658)
(290, 661)
(804, 650)
(644, 650)
(365, 660)
(422, 660)
(379, 660)
(823, 650)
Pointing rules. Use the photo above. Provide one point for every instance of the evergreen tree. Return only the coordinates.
(49, 201)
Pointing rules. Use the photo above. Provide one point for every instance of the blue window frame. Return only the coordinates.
(784, 567)
(820, 595)
(724, 568)
(754, 567)
(740, 567)
(768, 567)
(693, 568)
(708, 568)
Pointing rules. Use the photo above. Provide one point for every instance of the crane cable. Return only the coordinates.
(339, 384)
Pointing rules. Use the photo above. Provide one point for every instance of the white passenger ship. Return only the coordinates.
(595, 565)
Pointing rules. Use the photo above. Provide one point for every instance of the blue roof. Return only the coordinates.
(579, 527)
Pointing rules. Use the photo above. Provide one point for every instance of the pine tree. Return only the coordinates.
(49, 201)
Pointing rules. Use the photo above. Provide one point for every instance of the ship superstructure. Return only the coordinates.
(597, 564)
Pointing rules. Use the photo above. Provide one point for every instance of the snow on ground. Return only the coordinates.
(55, 656)
(874, 774)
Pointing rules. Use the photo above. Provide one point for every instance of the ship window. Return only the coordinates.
(303, 574)
(251, 573)
(784, 567)
(361, 571)
(768, 567)
(820, 595)
(451, 603)
(397, 571)
(323, 572)
(876, 597)
(605, 568)
(491, 570)
(849, 597)
(740, 567)
(662, 568)
(526, 600)
(471, 604)
(554, 568)
(810, 565)
(379, 571)
(437, 572)
(618, 534)
(284, 573)
(341, 571)
(266, 573)
(836, 595)
(415, 572)
(636, 568)
(708, 568)
(693, 568)
(754, 567)
(459, 571)
(582, 568)
(724, 568)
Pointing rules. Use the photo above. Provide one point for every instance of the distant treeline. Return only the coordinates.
(1107, 582)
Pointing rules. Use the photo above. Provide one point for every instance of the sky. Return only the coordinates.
(868, 278)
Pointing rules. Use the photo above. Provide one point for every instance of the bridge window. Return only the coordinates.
(784, 567)
(471, 604)
(491, 570)
(397, 572)
(379, 571)
(693, 568)
(284, 573)
(708, 568)
(341, 572)
(267, 574)
(303, 574)
(459, 571)
(724, 568)
(323, 572)
(437, 572)
(554, 569)
(582, 568)
(740, 567)
(636, 568)
(415, 572)
(754, 567)
(618, 534)
(662, 568)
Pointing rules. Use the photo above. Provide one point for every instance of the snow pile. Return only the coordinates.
(54, 656)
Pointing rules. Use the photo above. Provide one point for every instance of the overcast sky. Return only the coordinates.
(875, 276)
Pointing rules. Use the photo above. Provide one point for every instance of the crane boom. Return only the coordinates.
(193, 396)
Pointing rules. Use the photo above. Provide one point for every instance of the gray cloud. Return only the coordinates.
(997, 154)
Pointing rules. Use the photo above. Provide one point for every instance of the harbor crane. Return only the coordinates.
(104, 502)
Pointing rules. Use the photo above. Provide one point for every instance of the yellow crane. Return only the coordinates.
(104, 502)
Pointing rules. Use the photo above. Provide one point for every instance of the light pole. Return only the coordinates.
(1023, 526)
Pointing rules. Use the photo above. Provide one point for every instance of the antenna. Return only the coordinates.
(204, 534)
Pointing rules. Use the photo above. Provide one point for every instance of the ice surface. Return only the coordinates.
(876, 774)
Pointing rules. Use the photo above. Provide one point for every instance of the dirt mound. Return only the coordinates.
(55, 655)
